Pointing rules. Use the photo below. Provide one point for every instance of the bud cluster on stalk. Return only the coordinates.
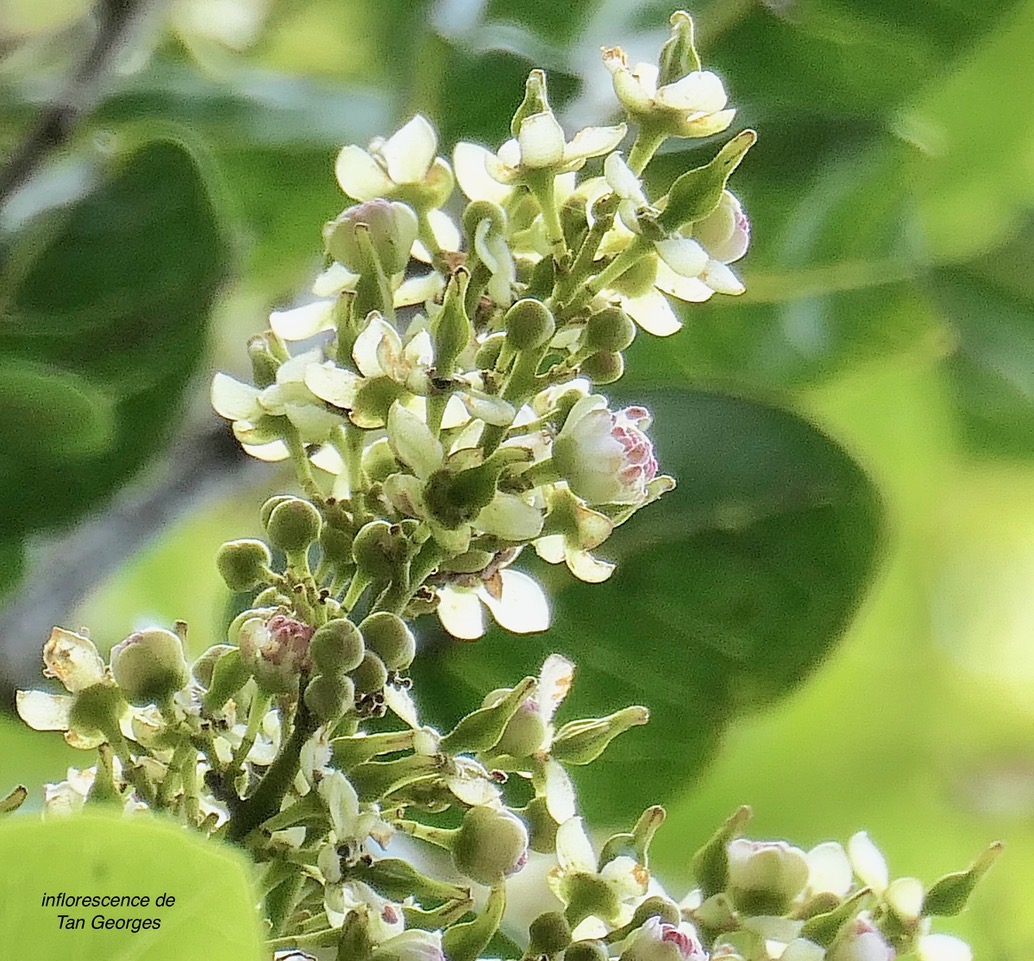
(439, 401)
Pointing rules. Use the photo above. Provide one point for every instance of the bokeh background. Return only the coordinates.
(832, 619)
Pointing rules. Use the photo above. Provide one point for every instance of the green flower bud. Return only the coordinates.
(525, 732)
(548, 934)
(536, 100)
(481, 730)
(337, 647)
(390, 639)
(228, 675)
(678, 55)
(371, 234)
(336, 545)
(375, 551)
(529, 324)
(243, 564)
(271, 597)
(329, 696)
(149, 665)
(949, 894)
(379, 461)
(603, 367)
(580, 742)
(609, 329)
(457, 498)
(397, 879)
(98, 709)
(371, 675)
(765, 876)
(587, 894)
(542, 827)
(711, 862)
(586, 951)
(451, 327)
(293, 525)
(488, 353)
(264, 363)
(267, 508)
(471, 562)
(697, 192)
(478, 210)
(491, 844)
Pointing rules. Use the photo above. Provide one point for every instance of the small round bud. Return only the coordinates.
(371, 675)
(390, 227)
(243, 564)
(609, 329)
(373, 551)
(541, 826)
(529, 324)
(379, 461)
(478, 210)
(488, 353)
(524, 734)
(469, 563)
(336, 545)
(491, 844)
(586, 951)
(267, 508)
(549, 934)
(337, 647)
(329, 696)
(97, 708)
(201, 669)
(293, 525)
(271, 597)
(390, 639)
(149, 665)
(603, 367)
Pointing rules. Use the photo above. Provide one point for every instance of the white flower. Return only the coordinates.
(725, 235)
(861, 942)
(73, 659)
(605, 456)
(515, 600)
(691, 106)
(403, 166)
(659, 940)
(943, 947)
(583, 529)
(765, 876)
(412, 945)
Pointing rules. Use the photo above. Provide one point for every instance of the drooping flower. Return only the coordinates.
(605, 456)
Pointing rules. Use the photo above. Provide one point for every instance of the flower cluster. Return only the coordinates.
(440, 403)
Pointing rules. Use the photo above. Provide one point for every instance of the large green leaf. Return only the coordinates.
(212, 914)
(102, 326)
(729, 592)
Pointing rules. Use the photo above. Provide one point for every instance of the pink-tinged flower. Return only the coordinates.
(277, 650)
(658, 940)
(861, 942)
(606, 457)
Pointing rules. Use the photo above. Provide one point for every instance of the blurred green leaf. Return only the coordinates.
(105, 316)
(728, 593)
(213, 915)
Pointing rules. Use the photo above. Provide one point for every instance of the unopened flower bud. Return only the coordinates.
(371, 675)
(603, 367)
(293, 525)
(529, 324)
(481, 730)
(609, 329)
(227, 675)
(374, 551)
(548, 934)
(659, 940)
(390, 639)
(586, 951)
(269, 504)
(536, 100)
(542, 827)
(243, 564)
(329, 696)
(371, 233)
(337, 647)
(525, 732)
(949, 894)
(275, 650)
(581, 742)
(264, 363)
(491, 844)
(765, 876)
(379, 460)
(149, 665)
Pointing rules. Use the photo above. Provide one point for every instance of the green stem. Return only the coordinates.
(259, 707)
(624, 261)
(302, 468)
(646, 143)
(542, 185)
(397, 596)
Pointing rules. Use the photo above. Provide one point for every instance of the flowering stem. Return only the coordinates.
(646, 143)
(624, 261)
(259, 706)
(583, 262)
(542, 185)
(348, 441)
(397, 596)
(302, 469)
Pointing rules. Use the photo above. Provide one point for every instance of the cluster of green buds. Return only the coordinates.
(441, 419)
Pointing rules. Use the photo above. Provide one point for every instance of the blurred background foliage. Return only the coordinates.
(831, 617)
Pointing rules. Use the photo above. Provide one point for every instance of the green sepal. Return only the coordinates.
(635, 844)
(536, 100)
(823, 928)
(678, 55)
(229, 675)
(374, 779)
(711, 862)
(581, 742)
(451, 328)
(397, 880)
(655, 906)
(465, 942)
(948, 895)
(482, 729)
(697, 192)
(441, 917)
(347, 752)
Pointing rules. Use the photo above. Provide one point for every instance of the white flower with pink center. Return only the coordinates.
(605, 456)
(659, 940)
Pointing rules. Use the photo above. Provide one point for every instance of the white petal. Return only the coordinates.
(829, 870)
(327, 459)
(409, 151)
(312, 421)
(708, 124)
(801, 949)
(43, 711)
(626, 876)
(444, 229)
(541, 141)
(487, 407)
(522, 607)
(555, 680)
(510, 518)
(413, 443)
(560, 796)
(73, 659)
(653, 313)
(332, 384)
(686, 257)
(359, 175)
(300, 323)
(233, 399)
(419, 351)
(721, 279)
(905, 896)
(460, 613)
(697, 92)
(573, 848)
(417, 290)
(550, 548)
(588, 568)
(594, 142)
(943, 947)
(621, 179)
(367, 350)
(647, 74)
(335, 279)
(275, 451)
(690, 289)
(399, 700)
(868, 862)
(474, 180)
